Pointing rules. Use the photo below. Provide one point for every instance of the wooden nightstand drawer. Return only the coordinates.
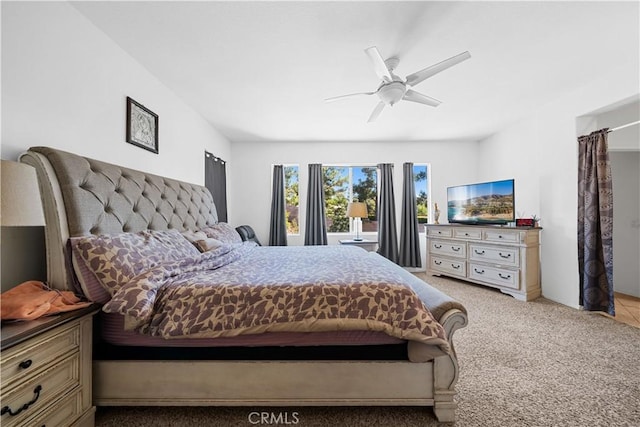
(31, 357)
(59, 414)
(34, 394)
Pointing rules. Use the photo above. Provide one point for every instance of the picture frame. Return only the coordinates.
(142, 126)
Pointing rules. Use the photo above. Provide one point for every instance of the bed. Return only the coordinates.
(387, 341)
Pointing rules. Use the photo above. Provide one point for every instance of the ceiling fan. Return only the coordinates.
(393, 88)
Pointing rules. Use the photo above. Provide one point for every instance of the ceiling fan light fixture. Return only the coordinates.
(390, 93)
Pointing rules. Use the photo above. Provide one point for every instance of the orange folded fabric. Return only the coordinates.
(33, 299)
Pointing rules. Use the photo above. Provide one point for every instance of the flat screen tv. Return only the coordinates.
(481, 203)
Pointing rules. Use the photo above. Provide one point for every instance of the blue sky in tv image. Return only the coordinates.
(495, 204)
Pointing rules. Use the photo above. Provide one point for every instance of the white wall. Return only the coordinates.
(625, 171)
(540, 152)
(64, 85)
(452, 163)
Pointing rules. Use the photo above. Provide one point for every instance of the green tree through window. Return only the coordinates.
(421, 182)
(291, 199)
(343, 184)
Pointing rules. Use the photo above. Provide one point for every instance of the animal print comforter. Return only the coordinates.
(239, 289)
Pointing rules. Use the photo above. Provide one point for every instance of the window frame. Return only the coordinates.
(350, 166)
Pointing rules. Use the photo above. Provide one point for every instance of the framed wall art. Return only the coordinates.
(142, 126)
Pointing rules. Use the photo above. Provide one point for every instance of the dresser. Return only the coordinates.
(507, 258)
(46, 371)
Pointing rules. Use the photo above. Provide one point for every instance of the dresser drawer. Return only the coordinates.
(495, 254)
(32, 356)
(60, 414)
(448, 247)
(40, 391)
(502, 236)
(439, 231)
(498, 276)
(449, 266)
(467, 233)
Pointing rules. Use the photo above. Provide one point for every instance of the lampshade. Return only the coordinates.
(20, 194)
(357, 210)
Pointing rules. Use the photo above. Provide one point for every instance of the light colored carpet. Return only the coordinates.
(522, 364)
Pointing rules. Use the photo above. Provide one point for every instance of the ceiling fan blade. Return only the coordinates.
(378, 63)
(413, 96)
(336, 98)
(417, 77)
(376, 112)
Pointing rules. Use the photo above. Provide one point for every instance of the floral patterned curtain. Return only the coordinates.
(595, 223)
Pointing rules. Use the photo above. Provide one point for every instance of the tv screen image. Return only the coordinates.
(481, 203)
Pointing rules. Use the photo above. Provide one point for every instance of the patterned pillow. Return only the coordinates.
(223, 232)
(201, 241)
(116, 259)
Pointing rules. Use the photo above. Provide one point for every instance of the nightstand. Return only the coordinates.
(369, 245)
(46, 371)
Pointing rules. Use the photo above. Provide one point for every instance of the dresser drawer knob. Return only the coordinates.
(455, 249)
(478, 271)
(503, 255)
(7, 410)
(435, 245)
(456, 266)
(478, 252)
(437, 262)
(25, 364)
(508, 276)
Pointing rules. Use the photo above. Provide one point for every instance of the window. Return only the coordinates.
(344, 184)
(421, 182)
(291, 198)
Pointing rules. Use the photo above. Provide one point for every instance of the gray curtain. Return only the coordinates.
(595, 223)
(316, 227)
(278, 227)
(409, 236)
(387, 234)
(215, 179)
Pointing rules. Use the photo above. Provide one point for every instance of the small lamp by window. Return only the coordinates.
(357, 210)
(22, 219)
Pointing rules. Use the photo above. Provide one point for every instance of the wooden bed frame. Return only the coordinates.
(83, 196)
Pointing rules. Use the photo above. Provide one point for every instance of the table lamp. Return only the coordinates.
(21, 217)
(357, 210)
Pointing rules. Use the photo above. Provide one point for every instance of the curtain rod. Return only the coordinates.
(216, 158)
(624, 126)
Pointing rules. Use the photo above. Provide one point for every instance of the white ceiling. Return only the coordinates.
(260, 70)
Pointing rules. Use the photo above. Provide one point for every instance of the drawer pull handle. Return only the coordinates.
(478, 271)
(504, 256)
(456, 266)
(8, 410)
(25, 364)
(466, 234)
(437, 262)
(453, 248)
(508, 276)
(435, 245)
(478, 252)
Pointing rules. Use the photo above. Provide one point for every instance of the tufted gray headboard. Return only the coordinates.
(84, 196)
